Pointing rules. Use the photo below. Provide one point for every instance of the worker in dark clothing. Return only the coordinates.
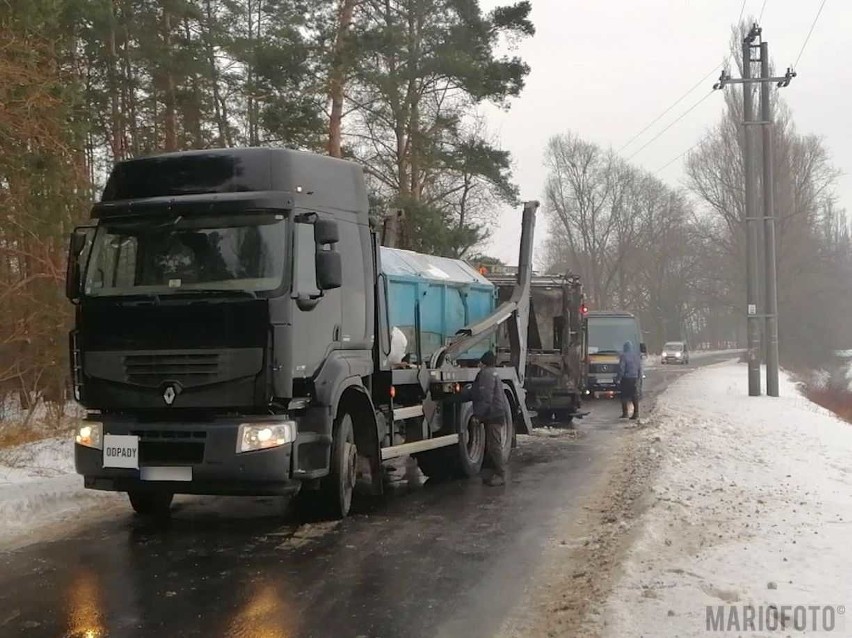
(630, 374)
(489, 407)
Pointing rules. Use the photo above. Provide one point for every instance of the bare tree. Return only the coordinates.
(804, 178)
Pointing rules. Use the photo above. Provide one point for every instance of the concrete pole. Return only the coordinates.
(752, 288)
(771, 286)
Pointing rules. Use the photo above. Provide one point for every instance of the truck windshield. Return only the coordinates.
(180, 254)
(609, 334)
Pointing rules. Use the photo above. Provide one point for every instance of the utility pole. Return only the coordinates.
(771, 307)
(770, 312)
(752, 286)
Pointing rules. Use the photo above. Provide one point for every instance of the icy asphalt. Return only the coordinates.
(436, 560)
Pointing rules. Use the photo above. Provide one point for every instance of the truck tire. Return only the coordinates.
(438, 465)
(507, 435)
(464, 459)
(336, 489)
(151, 504)
(471, 446)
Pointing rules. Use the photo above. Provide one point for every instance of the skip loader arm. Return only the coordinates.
(515, 310)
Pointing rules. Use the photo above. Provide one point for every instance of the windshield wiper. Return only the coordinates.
(144, 225)
(135, 298)
(216, 292)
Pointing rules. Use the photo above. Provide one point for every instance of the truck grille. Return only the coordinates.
(170, 446)
(603, 367)
(190, 368)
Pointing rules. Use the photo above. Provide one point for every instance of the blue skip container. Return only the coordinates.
(448, 294)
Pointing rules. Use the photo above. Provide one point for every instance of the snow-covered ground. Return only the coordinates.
(38, 487)
(751, 508)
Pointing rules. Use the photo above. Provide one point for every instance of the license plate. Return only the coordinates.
(606, 379)
(121, 450)
(162, 473)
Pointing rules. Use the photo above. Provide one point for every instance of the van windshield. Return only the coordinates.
(609, 334)
(673, 347)
(170, 255)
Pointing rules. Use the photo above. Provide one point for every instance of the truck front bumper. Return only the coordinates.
(207, 449)
(604, 384)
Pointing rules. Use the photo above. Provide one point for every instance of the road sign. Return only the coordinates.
(752, 309)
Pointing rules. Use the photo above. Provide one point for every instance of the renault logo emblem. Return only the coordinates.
(169, 395)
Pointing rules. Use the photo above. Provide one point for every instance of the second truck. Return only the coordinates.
(556, 340)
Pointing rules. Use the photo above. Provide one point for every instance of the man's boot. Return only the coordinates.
(635, 411)
(495, 481)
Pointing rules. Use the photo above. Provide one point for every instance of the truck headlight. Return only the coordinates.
(262, 436)
(91, 434)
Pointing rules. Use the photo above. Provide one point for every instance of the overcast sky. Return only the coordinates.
(606, 68)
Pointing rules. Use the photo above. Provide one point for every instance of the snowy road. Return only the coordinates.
(444, 560)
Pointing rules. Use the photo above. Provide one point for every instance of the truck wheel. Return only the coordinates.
(337, 487)
(471, 446)
(507, 433)
(153, 504)
(464, 459)
(506, 437)
(438, 465)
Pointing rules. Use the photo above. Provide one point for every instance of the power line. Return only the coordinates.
(676, 102)
(740, 19)
(681, 99)
(680, 117)
(762, 9)
(672, 161)
(808, 37)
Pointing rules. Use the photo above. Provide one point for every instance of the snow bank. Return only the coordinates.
(752, 506)
(38, 486)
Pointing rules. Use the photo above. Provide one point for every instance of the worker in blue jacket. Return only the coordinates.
(629, 374)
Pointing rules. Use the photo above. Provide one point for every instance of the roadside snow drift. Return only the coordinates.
(751, 508)
(38, 486)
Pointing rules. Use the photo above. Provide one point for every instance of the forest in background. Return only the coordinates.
(395, 85)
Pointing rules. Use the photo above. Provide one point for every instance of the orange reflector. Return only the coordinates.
(393, 392)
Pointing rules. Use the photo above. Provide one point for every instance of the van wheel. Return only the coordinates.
(153, 504)
(338, 486)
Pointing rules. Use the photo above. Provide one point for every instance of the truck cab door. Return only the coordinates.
(317, 312)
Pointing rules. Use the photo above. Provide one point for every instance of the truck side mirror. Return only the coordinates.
(329, 270)
(77, 244)
(326, 232)
(643, 348)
